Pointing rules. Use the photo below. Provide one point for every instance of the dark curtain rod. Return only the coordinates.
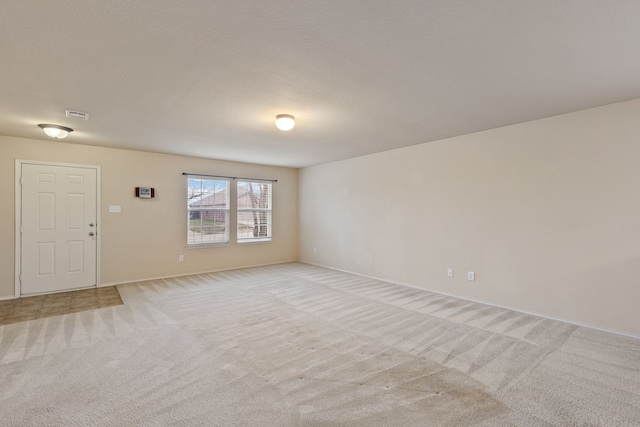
(230, 177)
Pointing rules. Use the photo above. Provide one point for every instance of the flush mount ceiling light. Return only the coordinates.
(285, 122)
(55, 131)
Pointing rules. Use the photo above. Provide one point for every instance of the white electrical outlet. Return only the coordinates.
(471, 275)
(449, 272)
(180, 258)
(315, 250)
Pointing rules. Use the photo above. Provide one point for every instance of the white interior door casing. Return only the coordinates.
(58, 228)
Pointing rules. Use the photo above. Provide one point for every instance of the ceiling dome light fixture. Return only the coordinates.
(285, 121)
(55, 131)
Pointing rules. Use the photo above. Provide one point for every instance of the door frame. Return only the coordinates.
(18, 215)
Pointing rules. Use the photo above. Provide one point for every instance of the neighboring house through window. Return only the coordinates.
(208, 210)
(254, 211)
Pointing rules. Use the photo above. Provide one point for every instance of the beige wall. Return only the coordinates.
(546, 213)
(144, 241)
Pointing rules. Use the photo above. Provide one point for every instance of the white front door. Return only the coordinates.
(58, 228)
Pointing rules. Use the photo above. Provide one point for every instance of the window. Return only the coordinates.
(208, 210)
(254, 211)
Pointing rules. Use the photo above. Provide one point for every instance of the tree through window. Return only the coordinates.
(254, 211)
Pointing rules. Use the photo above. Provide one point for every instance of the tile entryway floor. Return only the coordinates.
(36, 307)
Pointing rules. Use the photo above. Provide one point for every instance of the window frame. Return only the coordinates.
(214, 211)
(268, 210)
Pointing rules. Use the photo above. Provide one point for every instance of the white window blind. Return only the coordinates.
(254, 211)
(208, 210)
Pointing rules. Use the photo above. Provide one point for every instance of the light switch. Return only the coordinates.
(115, 209)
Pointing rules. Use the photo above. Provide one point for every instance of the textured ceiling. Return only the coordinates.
(207, 78)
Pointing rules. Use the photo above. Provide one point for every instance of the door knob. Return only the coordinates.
(92, 234)
(91, 225)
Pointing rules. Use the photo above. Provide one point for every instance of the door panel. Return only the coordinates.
(58, 228)
(46, 258)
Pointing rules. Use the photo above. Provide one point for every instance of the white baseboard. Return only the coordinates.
(492, 304)
(101, 285)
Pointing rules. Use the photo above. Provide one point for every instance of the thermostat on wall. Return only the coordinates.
(145, 192)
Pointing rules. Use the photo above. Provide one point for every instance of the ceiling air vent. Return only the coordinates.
(77, 114)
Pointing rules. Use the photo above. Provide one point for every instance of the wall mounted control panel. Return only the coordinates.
(145, 192)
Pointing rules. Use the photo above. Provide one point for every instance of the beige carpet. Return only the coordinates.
(294, 344)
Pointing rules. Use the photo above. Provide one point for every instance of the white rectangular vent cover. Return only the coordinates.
(77, 114)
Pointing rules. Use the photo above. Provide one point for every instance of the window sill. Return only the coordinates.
(208, 245)
(249, 242)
